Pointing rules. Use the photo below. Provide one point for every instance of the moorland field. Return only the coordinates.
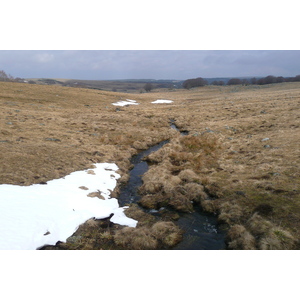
(240, 160)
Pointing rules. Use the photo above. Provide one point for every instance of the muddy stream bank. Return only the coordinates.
(201, 231)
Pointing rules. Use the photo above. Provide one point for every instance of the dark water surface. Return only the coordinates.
(129, 193)
(201, 230)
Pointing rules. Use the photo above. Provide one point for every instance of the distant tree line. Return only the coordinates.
(197, 82)
(264, 80)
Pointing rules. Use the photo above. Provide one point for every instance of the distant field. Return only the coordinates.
(48, 131)
(131, 86)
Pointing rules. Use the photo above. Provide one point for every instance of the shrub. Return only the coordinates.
(5, 77)
(148, 87)
(234, 81)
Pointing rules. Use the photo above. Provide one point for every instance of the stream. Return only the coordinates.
(201, 230)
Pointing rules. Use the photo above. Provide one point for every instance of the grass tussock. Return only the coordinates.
(167, 233)
(259, 233)
(161, 234)
(189, 176)
(259, 226)
(268, 235)
(240, 238)
(277, 239)
(211, 206)
(230, 213)
(136, 239)
(194, 192)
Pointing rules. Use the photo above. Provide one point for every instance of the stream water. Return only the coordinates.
(201, 230)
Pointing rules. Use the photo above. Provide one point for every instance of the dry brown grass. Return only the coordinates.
(230, 213)
(161, 235)
(47, 132)
(259, 226)
(240, 238)
(136, 239)
(277, 239)
(167, 233)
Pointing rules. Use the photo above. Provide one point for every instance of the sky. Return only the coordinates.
(148, 64)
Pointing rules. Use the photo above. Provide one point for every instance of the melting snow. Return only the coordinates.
(125, 102)
(37, 215)
(162, 101)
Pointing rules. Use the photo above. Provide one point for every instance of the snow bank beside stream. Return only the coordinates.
(42, 214)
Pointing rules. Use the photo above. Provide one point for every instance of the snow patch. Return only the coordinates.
(37, 215)
(125, 102)
(162, 101)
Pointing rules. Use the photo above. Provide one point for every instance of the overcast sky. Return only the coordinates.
(148, 64)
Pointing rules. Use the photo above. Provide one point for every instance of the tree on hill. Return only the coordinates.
(234, 81)
(148, 87)
(218, 82)
(195, 82)
(297, 78)
(253, 80)
(5, 77)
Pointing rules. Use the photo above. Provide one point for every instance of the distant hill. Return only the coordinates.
(126, 85)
